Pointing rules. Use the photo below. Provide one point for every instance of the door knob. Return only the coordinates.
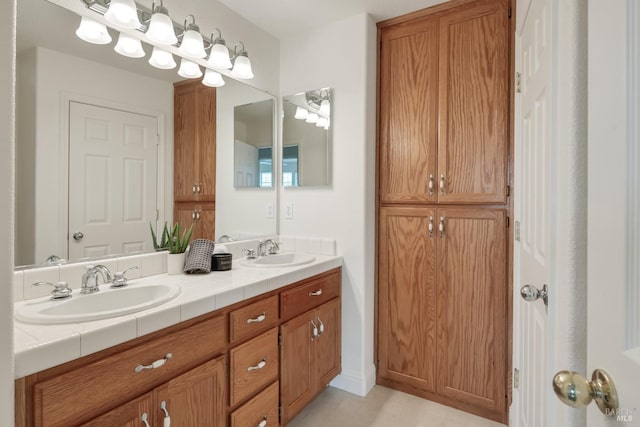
(78, 236)
(531, 293)
(576, 391)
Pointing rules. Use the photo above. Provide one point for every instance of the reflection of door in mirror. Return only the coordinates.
(306, 138)
(253, 142)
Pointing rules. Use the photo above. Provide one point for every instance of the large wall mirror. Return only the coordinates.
(253, 144)
(306, 138)
(68, 91)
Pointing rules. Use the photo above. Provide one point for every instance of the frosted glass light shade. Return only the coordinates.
(93, 32)
(162, 59)
(161, 29)
(129, 46)
(192, 45)
(123, 13)
(301, 113)
(322, 122)
(242, 68)
(189, 69)
(212, 78)
(325, 107)
(219, 57)
(312, 118)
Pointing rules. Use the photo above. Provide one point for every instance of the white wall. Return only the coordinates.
(7, 144)
(342, 55)
(57, 76)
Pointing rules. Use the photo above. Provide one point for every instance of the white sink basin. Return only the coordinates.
(287, 259)
(100, 305)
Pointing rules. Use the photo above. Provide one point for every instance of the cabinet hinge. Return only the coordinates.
(518, 82)
(279, 339)
(508, 190)
(509, 12)
(508, 221)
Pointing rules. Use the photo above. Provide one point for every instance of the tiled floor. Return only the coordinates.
(382, 407)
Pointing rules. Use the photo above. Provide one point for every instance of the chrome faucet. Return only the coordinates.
(90, 278)
(268, 247)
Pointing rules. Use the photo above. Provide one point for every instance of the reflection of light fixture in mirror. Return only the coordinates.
(312, 118)
(192, 44)
(322, 122)
(162, 59)
(212, 78)
(325, 107)
(241, 65)
(123, 13)
(161, 29)
(219, 56)
(129, 46)
(301, 113)
(189, 69)
(93, 32)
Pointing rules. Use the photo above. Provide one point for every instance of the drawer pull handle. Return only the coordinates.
(167, 418)
(316, 293)
(321, 326)
(314, 331)
(260, 365)
(258, 319)
(144, 419)
(263, 423)
(155, 364)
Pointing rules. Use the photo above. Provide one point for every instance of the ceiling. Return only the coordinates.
(283, 17)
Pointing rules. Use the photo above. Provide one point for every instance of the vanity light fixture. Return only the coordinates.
(325, 107)
(301, 113)
(93, 32)
(161, 29)
(123, 13)
(162, 59)
(129, 46)
(322, 122)
(242, 64)
(192, 44)
(312, 118)
(189, 69)
(212, 78)
(219, 56)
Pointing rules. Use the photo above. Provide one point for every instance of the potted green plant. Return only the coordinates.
(163, 244)
(177, 241)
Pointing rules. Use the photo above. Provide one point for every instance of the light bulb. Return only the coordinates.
(162, 59)
(301, 113)
(212, 78)
(242, 67)
(161, 29)
(123, 13)
(325, 107)
(312, 118)
(322, 122)
(189, 69)
(219, 56)
(192, 45)
(93, 32)
(129, 46)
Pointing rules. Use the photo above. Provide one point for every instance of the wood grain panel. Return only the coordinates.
(127, 415)
(319, 290)
(328, 344)
(474, 103)
(242, 322)
(408, 113)
(201, 215)
(112, 380)
(406, 297)
(184, 130)
(263, 406)
(206, 131)
(196, 398)
(471, 307)
(245, 382)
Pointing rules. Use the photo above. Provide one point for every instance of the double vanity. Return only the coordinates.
(246, 347)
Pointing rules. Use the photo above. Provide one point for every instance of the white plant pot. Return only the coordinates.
(175, 263)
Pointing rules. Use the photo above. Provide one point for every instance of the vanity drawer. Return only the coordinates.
(263, 407)
(303, 298)
(81, 394)
(253, 318)
(254, 364)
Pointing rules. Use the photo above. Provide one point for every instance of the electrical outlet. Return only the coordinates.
(288, 211)
(269, 210)
(516, 232)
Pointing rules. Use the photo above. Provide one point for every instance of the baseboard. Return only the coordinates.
(354, 383)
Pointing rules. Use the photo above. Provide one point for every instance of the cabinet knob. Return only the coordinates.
(314, 330)
(167, 418)
(258, 319)
(155, 365)
(431, 179)
(316, 293)
(263, 423)
(431, 226)
(321, 327)
(260, 365)
(442, 184)
(441, 226)
(193, 189)
(144, 418)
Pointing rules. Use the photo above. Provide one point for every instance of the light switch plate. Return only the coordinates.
(269, 210)
(288, 212)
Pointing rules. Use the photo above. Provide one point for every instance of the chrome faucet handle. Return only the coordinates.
(91, 273)
(251, 253)
(61, 290)
(275, 247)
(119, 280)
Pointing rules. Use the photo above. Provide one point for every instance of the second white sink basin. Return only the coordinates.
(287, 259)
(100, 305)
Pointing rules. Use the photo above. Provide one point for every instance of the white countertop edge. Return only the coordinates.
(39, 347)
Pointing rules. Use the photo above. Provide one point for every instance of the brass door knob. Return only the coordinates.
(575, 390)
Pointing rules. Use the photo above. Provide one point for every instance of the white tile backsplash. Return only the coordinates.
(72, 274)
(45, 274)
(125, 263)
(152, 264)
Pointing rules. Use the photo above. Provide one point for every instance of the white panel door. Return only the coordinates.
(532, 249)
(613, 332)
(113, 158)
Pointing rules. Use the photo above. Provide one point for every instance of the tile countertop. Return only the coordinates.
(38, 347)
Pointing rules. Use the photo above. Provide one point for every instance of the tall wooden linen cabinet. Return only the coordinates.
(443, 202)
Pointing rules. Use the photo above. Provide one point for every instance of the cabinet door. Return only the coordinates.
(297, 378)
(474, 103)
(196, 398)
(127, 415)
(328, 343)
(201, 215)
(206, 130)
(406, 296)
(185, 170)
(408, 111)
(472, 307)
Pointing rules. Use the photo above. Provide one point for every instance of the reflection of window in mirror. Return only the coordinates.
(290, 166)
(265, 166)
(253, 144)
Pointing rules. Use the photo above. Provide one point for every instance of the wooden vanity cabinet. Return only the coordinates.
(201, 215)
